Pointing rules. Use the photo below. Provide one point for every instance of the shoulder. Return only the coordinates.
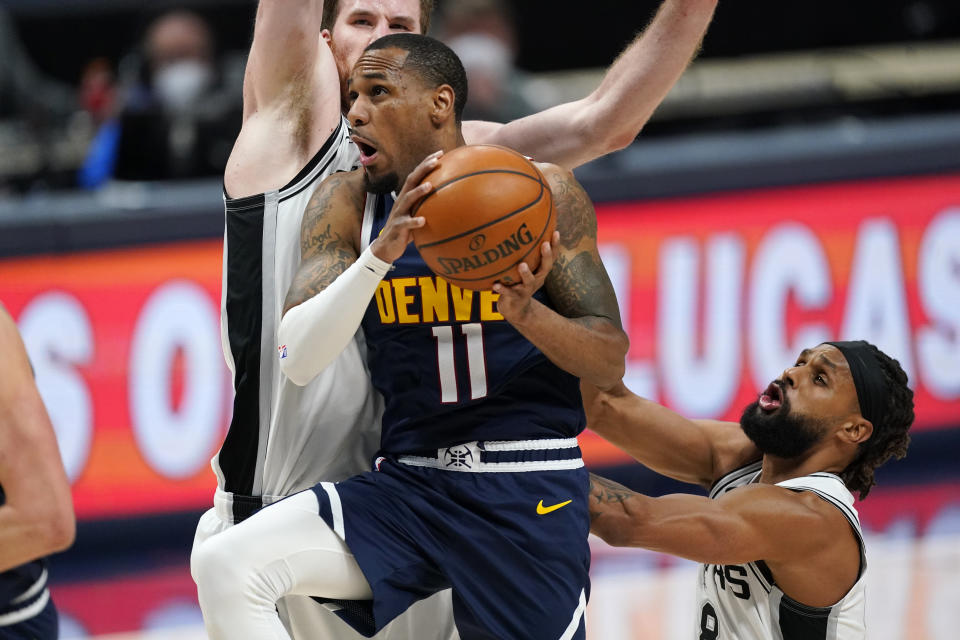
(555, 174)
(340, 187)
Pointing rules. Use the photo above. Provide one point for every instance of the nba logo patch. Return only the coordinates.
(283, 351)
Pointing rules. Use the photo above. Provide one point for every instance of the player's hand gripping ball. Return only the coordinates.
(490, 210)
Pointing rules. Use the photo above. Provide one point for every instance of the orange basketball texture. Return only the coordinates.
(490, 210)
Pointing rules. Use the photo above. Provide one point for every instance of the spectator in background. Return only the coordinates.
(180, 107)
(24, 91)
(483, 35)
(34, 110)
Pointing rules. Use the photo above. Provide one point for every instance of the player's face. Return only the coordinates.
(360, 22)
(389, 118)
(798, 409)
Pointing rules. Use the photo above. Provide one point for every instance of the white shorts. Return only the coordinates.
(306, 619)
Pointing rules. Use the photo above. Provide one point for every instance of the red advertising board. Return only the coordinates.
(125, 345)
(719, 294)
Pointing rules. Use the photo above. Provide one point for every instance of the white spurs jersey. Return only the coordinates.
(284, 438)
(742, 602)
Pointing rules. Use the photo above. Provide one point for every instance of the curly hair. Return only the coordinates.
(331, 9)
(890, 438)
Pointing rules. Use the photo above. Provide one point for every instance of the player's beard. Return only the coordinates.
(780, 433)
(386, 183)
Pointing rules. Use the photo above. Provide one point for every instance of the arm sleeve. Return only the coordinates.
(313, 333)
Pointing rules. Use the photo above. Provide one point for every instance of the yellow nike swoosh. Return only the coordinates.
(542, 510)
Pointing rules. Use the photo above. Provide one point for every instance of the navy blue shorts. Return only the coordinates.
(513, 546)
(43, 626)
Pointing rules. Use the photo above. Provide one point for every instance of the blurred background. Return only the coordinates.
(801, 183)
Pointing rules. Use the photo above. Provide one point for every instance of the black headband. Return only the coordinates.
(867, 378)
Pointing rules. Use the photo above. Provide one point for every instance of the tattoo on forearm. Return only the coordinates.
(575, 216)
(580, 286)
(606, 495)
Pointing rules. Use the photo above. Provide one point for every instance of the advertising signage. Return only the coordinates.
(718, 294)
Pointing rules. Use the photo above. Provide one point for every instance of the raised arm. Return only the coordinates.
(286, 53)
(584, 335)
(612, 116)
(37, 518)
(694, 451)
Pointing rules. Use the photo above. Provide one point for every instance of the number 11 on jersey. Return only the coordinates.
(476, 362)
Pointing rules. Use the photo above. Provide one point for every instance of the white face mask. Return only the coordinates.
(179, 84)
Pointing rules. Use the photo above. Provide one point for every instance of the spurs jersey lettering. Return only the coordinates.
(450, 368)
(743, 602)
(284, 438)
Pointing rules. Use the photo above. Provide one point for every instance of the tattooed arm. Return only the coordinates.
(804, 539)
(329, 236)
(334, 284)
(584, 335)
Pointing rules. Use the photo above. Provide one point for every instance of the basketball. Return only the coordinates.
(490, 210)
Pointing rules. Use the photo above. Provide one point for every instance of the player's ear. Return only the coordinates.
(326, 35)
(857, 430)
(443, 101)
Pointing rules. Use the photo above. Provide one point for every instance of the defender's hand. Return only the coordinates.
(516, 300)
(396, 234)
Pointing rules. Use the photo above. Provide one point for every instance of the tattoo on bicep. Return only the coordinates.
(576, 218)
(579, 286)
(325, 252)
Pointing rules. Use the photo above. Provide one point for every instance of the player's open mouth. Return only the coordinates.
(772, 397)
(368, 152)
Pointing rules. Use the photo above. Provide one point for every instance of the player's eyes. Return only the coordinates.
(352, 97)
(379, 91)
(363, 22)
(820, 380)
(400, 27)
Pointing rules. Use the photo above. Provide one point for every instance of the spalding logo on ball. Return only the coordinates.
(490, 210)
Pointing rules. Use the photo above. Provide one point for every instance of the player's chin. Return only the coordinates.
(380, 183)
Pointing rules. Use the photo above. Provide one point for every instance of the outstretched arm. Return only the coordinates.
(612, 116)
(37, 518)
(755, 522)
(584, 335)
(695, 451)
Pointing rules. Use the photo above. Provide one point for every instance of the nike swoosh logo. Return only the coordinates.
(542, 510)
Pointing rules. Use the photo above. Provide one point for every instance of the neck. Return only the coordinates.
(779, 469)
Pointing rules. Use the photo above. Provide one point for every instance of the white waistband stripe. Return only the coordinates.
(33, 590)
(20, 615)
(530, 445)
(493, 467)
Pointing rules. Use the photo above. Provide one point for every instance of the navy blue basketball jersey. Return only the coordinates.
(450, 368)
(17, 581)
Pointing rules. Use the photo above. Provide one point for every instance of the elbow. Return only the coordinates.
(617, 140)
(62, 532)
(617, 364)
(55, 529)
(295, 371)
(293, 363)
